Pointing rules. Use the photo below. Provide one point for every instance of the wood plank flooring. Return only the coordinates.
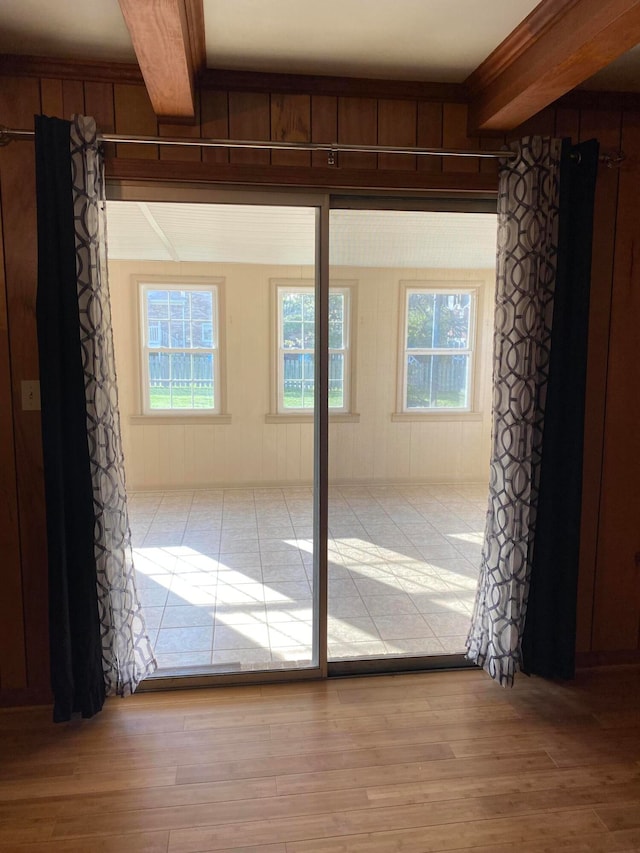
(421, 762)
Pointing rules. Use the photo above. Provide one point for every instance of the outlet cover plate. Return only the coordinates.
(30, 395)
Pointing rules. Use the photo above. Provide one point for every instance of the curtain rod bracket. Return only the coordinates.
(5, 136)
(613, 159)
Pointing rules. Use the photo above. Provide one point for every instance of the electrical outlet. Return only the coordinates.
(30, 395)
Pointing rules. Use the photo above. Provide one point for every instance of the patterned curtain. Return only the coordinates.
(98, 640)
(127, 654)
(528, 223)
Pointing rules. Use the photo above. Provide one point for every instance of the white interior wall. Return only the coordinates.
(249, 451)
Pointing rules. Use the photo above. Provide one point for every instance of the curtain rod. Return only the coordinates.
(7, 135)
(331, 148)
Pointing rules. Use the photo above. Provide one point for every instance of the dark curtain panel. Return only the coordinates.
(76, 655)
(548, 643)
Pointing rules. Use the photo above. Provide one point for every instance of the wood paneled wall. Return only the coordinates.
(609, 603)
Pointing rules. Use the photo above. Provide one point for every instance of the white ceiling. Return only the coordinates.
(438, 40)
(429, 40)
(227, 233)
(74, 29)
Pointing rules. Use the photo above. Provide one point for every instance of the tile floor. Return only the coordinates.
(224, 575)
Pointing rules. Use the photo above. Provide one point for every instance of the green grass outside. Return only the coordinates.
(293, 399)
(443, 400)
(160, 398)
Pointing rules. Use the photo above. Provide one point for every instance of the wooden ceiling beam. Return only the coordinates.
(195, 26)
(558, 46)
(168, 38)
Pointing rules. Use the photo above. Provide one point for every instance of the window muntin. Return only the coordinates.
(296, 343)
(438, 349)
(180, 348)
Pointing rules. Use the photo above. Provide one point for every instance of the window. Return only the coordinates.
(296, 341)
(437, 356)
(180, 348)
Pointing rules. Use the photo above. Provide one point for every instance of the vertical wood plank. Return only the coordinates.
(541, 124)
(178, 152)
(291, 122)
(51, 98)
(72, 98)
(358, 125)
(617, 587)
(489, 166)
(567, 123)
(13, 664)
(189, 131)
(98, 102)
(214, 122)
(249, 118)
(324, 125)
(19, 101)
(397, 125)
(454, 135)
(429, 135)
(134, 115)
(605, 126)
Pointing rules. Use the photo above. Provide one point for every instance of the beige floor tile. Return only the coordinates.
(289, 611)
(389, 605)
(454, 645)
(239, 658)
(191, 639)
(352, 629)
(351, 605)
(182, 659)
(183, 616)
(402, 626)
(403, 565)
(448, 624)
(243, 614)
(414, 647)
(246, 636)
(290, 634)
(372, 648)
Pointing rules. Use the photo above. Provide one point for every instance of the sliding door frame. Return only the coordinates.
(323, 202)
(424, 202)
(142, 191)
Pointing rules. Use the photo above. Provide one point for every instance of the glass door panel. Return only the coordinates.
(217, 404)
(409, 446)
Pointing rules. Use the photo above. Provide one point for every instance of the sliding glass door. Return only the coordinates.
(410, 305)
(218, 350)
(305, 399)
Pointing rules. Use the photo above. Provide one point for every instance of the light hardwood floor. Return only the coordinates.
(420, 762)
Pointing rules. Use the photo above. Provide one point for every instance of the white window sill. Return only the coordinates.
(302, 418)
(190, 419)
(442, 415)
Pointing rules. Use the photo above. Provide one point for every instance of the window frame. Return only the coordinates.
(349, 290)
(213, 285)
(474, 289)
